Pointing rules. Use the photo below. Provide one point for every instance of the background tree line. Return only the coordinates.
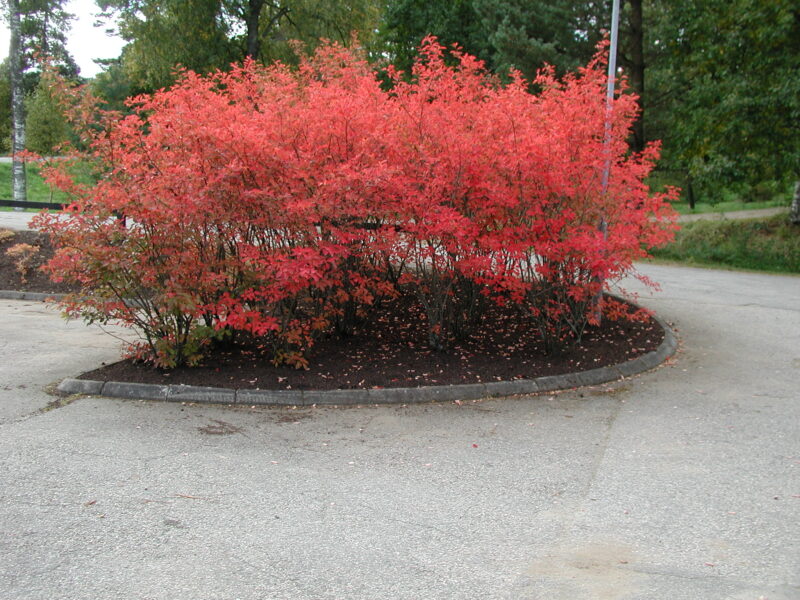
(718, 80)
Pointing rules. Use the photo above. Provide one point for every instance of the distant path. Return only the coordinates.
(7, 159)
(738, 214)
(19, 220)
(16, 220)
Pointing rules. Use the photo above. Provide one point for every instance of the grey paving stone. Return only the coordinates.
(270, 397)
(635, 366)
(512, 388)
(551, 383)
(449, 393)
(144, 391)
(80, 386)
(598, 376)
(393, 396)
(191, 393)
(335, 397)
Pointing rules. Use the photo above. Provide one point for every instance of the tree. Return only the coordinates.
(632, 59)
(211, 34)
(112, 85)
(38, 29)
(17, 69)
(405, 23)
(505, 34)
(5, 107)
(525, 35)
(44, 28)
(163, 34)
(46, 127)
(735, 71)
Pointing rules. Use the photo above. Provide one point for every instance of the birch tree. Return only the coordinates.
(19, 183)
(37, 28)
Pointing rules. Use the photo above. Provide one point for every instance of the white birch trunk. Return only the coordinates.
(794, 215)
(17, 104)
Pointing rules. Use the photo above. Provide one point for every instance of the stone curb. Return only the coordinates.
(34, 296)
(448, 393)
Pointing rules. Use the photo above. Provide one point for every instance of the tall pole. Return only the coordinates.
(612, 79)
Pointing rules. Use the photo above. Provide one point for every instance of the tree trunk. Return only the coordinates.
(690, 191)
(45, 47)
(252, 20)
(17, 104)
(794, 215)
(637, 69)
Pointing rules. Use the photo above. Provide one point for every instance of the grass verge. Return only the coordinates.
(770, 244)
(38, 190)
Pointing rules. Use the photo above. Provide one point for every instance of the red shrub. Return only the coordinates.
(282, 203)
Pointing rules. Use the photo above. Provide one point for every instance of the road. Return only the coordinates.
(682, 483)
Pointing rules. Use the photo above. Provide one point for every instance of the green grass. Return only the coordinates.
(724, 198)
(770, 244)
(38, 190)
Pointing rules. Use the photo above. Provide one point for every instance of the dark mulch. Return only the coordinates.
(34, 280)
(388, 351)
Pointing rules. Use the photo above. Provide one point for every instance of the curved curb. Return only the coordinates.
(34, 296)
(448, 393)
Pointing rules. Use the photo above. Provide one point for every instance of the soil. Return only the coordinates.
(388, 350)
(34, 280)
(391, 351)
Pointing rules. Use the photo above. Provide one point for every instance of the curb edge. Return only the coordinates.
(418, 395)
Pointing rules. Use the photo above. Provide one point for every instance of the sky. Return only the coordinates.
(85, 42)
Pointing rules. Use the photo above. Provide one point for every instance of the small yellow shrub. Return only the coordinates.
(22, 255)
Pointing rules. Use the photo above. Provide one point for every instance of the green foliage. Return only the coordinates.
(44, 25)
(725, 198)
(38, 32)
(760, 244)
(166, 33)
(5, 108)
(112, 85)
(46, 126)
(205, 35)
(733, 79)
(406, 22)
(309, 21)
(525, 35)
(719, 80)
(504, 33)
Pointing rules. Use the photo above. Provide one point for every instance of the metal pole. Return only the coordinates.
(612, 78)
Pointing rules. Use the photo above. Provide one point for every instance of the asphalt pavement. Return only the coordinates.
(681, 483)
